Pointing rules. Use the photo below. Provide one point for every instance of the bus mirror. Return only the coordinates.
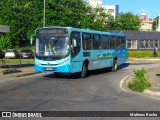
(32, 40)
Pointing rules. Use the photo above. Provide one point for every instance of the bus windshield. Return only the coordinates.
(52, 45)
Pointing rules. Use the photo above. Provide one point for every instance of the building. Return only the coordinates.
(141, 40)
(109, 9)
(146, 24)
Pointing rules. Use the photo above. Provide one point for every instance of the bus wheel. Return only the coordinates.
(57, 75)
(115, 65)
(84, 70)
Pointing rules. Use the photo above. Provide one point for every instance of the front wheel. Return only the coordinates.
(84, 70)
(115, 66)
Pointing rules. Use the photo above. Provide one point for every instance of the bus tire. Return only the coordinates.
(84, 70)
(115, 65)
(57, 75)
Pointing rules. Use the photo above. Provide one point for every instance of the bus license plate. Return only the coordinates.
(48, 68)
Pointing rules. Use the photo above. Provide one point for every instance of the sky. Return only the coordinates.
(151, 7)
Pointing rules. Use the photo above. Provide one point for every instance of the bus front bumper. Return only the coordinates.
(63, 69)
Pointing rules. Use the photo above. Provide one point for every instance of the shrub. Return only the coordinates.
(140, 82)
(141, 54)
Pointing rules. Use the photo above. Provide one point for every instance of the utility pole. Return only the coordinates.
(44, 11)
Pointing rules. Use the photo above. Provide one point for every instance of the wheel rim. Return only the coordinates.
(115, 65)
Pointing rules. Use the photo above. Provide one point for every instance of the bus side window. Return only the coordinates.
(112, 42)
(123, 42)
(96, 41)
(105, 42)
(118, 42)
(87, 41)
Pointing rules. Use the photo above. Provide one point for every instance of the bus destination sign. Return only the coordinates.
(52, 31)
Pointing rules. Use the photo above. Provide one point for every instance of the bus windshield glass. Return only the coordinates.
(52, 43)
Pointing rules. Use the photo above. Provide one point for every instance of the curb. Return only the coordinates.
(26, 74)
(146, 59)
(10, 71)
(146, 91)
(150, 92)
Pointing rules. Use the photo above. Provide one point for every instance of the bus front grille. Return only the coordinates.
(49, 64)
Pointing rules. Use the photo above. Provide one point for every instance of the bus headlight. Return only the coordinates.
(37, 63)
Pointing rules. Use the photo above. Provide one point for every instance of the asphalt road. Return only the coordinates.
(98, 92)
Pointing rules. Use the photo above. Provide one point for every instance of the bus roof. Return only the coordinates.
(86, 30)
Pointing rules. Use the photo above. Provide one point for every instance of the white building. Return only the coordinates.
(109, 9)
(95, 3)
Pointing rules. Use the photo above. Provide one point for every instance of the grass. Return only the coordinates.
(18, 61)
(140, 82)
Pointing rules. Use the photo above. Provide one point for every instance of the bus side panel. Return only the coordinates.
(97, 59)
(107, 63)
(105, 58)
(76, 66)
(122, 56)
(77, 63)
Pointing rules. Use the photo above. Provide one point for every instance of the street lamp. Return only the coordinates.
(44, 13)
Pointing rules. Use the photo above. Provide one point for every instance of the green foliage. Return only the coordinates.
(5, 42)
(155, 23)
(141, 54)
(24, 16)
(140, 82)
(125, 21)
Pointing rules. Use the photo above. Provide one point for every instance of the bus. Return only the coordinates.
(63, 50)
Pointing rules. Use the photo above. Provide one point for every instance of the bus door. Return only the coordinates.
(75, 51)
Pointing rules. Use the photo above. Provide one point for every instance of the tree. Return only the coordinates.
(99, 18)
(25, 16)
(125, 21)
(155, 23)
(5, 42)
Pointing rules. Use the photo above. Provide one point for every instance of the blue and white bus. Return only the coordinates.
(73, 50)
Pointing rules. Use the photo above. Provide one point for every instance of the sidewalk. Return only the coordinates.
(146, 59)
(17, 71)
(154, 78)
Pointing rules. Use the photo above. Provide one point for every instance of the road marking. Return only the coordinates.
(122, 81)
